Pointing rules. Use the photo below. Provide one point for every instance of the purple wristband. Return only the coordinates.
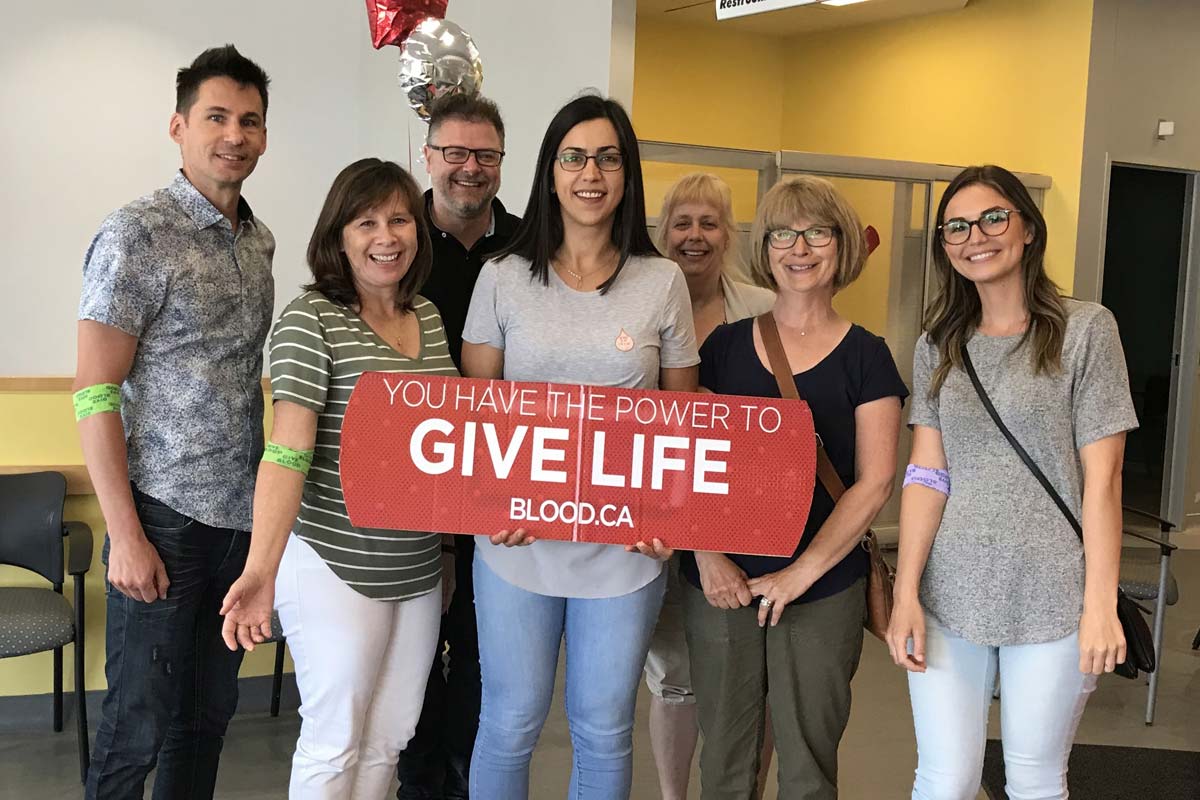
(936, 479)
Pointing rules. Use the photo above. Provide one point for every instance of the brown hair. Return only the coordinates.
(468, 108)
(816, 199)
(218, 62)
(956, 310)
(365, 184)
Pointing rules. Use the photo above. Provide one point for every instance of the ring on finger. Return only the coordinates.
(766, 603)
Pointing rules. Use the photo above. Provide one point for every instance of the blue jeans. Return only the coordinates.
(519, 637)
(1042, 698)
(172, 682)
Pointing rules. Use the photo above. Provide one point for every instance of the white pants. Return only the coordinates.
(361, 667)
(1042, 698)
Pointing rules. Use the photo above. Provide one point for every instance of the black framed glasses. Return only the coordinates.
(992, 222)
(576, 160)
(460, 155)
(814, 236)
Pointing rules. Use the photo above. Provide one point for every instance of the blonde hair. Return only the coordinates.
(814, 199)
(698, 187)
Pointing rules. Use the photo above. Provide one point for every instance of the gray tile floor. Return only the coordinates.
(877, 755)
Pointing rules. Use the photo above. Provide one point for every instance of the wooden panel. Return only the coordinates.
(35, 384)
(58, 384)
(78, 480)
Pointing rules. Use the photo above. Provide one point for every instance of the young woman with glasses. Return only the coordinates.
(580, 296)
(992, 578)
(790, 629)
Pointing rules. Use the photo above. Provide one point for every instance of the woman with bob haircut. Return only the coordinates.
(696, 229)
(798, 646)
(985, 584)
(580, 296)
(360, 608)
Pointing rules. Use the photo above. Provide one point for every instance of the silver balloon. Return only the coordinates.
(438, 58)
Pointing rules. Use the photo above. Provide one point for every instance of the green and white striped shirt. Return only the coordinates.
(318, 350)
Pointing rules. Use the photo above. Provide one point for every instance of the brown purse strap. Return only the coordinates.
(787, 389)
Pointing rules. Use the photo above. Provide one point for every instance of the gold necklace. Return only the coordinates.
(580, 277)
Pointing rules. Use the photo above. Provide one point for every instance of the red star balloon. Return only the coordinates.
(393, 20)
(872, 237)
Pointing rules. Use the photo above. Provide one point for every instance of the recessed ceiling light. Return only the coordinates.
(841, 2)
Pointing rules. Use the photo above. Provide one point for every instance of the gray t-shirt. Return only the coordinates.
(554, 333)
(1006, 567)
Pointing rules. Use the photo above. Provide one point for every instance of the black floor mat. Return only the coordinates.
(1099, 772)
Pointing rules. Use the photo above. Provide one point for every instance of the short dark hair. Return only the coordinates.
(218, 62)
(540, 233)
(365, 184)
(470, 108)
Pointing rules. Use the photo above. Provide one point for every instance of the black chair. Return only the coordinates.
(280, 642)
(35, 620)
(1147, 576)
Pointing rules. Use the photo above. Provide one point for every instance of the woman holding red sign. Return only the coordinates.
(798, 645)
(580, 296)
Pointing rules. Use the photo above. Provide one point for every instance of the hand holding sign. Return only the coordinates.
(580, 463)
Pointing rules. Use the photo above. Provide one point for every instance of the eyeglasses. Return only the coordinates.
(575, 161)
(815, 236)
(992, 222)
(460, 155)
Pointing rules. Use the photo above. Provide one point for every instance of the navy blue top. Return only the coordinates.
(859, 370)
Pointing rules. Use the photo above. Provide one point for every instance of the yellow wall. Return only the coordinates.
(1003, 81)
(38, 428)
(700, 86)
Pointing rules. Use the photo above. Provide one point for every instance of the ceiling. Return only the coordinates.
(792, 21)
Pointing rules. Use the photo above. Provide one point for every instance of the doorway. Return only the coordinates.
(1144, 284)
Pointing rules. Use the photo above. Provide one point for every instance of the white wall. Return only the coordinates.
(87, 92)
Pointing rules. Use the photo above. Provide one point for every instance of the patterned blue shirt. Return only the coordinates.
(169, 269)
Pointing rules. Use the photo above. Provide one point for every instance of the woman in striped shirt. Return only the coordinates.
(360, 608)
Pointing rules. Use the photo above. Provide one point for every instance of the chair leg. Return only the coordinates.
(85, 747)
(277, 680)
(58, 689)
(1160, 613)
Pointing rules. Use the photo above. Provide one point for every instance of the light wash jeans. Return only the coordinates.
(1043, 695)
(519, 637)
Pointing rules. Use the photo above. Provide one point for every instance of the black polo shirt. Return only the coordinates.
(455, 269)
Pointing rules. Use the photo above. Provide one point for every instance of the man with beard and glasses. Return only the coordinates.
(468, 224)
(176, 304)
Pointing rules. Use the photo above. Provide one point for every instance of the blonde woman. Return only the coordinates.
(798, 644)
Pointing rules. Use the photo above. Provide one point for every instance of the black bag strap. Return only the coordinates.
(1012, 440)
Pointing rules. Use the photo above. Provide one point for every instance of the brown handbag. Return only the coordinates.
(881, 576)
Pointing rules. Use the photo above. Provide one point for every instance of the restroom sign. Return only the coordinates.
(729, 9)
(578, 463)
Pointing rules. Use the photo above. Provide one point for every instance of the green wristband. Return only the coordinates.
(97, 399)
(296, 460)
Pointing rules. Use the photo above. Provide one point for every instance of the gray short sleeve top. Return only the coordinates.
(554, 333)
(170, 270)
(1005, 567)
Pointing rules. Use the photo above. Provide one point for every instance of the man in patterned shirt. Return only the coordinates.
(176, 304)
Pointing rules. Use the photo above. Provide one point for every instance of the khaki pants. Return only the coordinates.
(802, 667)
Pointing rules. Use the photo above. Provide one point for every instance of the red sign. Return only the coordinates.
(580, 463)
